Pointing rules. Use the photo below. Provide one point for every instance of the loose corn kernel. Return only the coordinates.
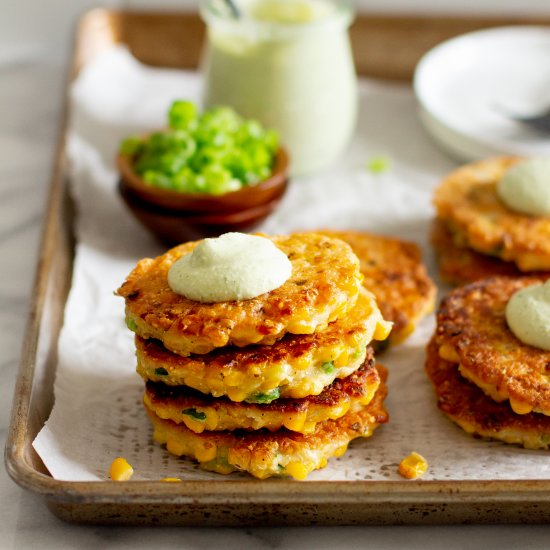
(171, 479)
(297, 470)
(120, 470)
(413, 466)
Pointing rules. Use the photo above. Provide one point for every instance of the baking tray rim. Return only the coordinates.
(209, 492)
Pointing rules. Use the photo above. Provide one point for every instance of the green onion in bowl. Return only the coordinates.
(213, 152)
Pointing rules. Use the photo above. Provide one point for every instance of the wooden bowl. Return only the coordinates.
(247, 197)
(195, 216)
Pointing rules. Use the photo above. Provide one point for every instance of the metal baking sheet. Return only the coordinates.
(385, 47)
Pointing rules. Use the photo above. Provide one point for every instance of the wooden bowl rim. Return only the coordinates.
(203, 202)
(200, 218)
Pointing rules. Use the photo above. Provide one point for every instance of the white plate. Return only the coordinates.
(466, 85)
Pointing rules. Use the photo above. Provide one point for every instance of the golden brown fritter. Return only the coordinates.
(393, 271)
(264, 454)
(460, 265)
(476, 413)
(324, 286)
(472, 332)
(467, 201)
(200, 412)
(295, 366)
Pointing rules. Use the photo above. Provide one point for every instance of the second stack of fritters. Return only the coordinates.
(274, 385)
(475, 235)
(393, 271)
(487, 380)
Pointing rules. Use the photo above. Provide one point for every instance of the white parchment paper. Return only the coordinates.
(98, 413)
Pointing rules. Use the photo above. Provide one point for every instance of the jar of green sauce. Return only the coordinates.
(287, 63)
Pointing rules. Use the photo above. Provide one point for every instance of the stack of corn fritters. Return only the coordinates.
(486, 380)
(274, 385)
(476, 235)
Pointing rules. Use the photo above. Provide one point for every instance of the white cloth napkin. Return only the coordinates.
(98, 414)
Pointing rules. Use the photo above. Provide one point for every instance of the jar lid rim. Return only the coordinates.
(217, 13)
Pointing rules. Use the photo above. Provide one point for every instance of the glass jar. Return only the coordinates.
(288, 64)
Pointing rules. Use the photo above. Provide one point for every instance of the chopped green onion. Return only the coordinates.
(161, 371)
(131, 324)
(328, 367)
(182, 114)
(264, 398)
(378, 164)
(193, 413)
(214, 152)
(131, 145)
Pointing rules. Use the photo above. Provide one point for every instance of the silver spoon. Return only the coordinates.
(235, 11)
(538, 121)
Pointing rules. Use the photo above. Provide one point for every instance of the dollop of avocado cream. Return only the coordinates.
(525, 187)
(231, 267)
(528, 315)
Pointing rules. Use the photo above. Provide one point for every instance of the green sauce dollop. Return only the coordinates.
(528, 315)
(525, 187)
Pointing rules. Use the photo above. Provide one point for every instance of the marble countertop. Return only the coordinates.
(31, 97)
